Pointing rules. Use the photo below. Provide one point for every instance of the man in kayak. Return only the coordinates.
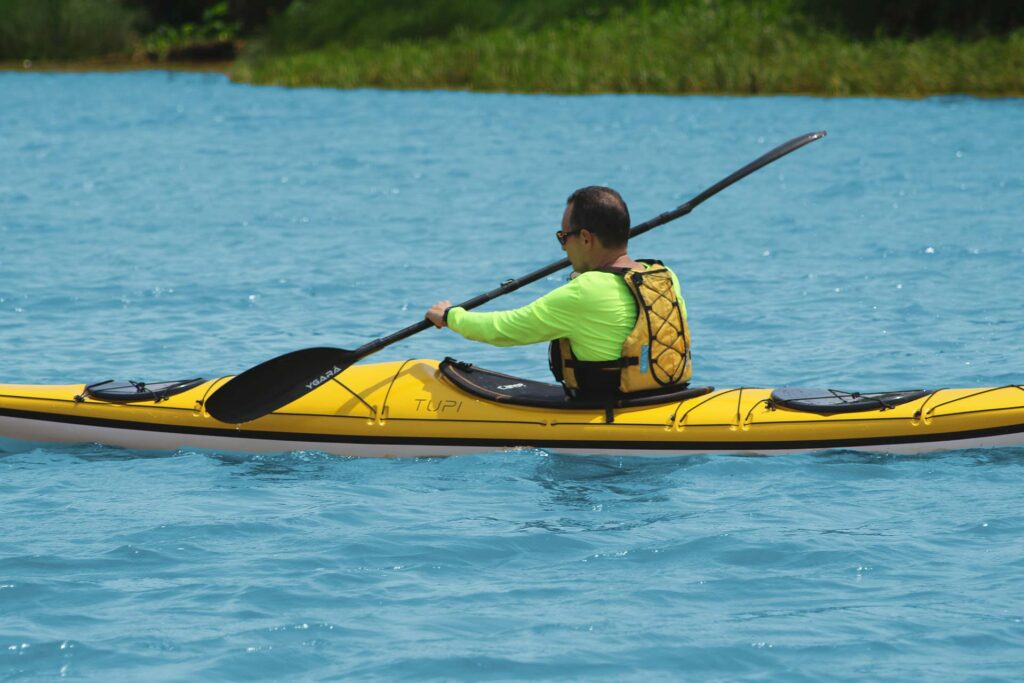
(618, 326)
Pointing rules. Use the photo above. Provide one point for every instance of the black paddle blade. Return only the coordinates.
(277, 382)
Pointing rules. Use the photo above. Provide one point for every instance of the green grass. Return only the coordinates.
(724, 47)
(64, 29)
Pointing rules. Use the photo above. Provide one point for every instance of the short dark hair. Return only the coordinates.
(601, 211)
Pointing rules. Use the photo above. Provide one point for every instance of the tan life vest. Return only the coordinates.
(655, 355)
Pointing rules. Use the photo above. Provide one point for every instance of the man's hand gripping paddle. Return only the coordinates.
(279, 381)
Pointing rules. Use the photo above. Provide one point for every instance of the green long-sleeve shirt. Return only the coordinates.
(595, 312)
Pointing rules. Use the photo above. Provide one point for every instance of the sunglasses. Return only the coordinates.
(563, 237)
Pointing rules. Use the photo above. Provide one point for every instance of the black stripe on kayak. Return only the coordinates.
(815, 444)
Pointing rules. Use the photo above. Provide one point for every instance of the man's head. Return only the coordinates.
(601, 211)
(595, 226)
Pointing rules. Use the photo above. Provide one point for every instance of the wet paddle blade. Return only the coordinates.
(276, 383)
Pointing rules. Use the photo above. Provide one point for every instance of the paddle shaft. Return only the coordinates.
(683, 209)
(279, 381)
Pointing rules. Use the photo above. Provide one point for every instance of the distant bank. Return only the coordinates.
(571, 46)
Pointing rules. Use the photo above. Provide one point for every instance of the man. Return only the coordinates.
(617, 327)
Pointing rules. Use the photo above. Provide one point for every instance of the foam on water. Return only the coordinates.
(159, 225)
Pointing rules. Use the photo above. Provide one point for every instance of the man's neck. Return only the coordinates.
(616, 259)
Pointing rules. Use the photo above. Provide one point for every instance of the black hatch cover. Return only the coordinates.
(833, 401)
(116, 391)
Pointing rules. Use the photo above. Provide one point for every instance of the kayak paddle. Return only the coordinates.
(279, 381)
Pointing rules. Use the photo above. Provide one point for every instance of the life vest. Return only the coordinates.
(655, 355)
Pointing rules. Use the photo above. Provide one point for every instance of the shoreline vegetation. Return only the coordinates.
(727, 47)
(672, 51)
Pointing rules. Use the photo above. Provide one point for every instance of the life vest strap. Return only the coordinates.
(602, 364)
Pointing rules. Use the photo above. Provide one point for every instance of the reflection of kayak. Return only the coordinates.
(416, 408)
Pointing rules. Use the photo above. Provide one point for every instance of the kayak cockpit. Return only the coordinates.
(508, 389)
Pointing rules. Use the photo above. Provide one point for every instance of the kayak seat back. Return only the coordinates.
(835, 401)
(116, 391)
(501, 388)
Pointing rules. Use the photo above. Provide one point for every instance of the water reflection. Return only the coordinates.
(614, 493)
(973, 457)
(289, 466)
(87, 452)
(1010, 456)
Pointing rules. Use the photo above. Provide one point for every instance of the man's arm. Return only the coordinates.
(549, 317)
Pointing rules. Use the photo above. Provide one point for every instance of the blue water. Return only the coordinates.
(157, 226)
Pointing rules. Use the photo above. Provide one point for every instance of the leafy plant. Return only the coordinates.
(216, 26)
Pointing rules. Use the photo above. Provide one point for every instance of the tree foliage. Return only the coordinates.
(917, 18)
(251, 14)
(64, 29)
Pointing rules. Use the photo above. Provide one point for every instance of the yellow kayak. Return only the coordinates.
(426, 408)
